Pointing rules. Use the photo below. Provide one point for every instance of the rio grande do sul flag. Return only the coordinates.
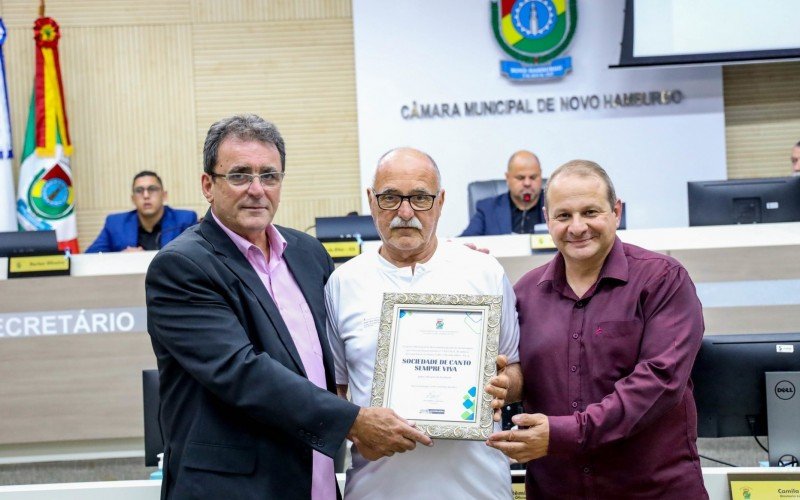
(46, 195)
(8, 218)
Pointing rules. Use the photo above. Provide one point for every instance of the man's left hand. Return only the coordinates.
(524, 445)
(505, 387)
(498, 388)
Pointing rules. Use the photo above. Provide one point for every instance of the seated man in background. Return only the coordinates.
(517, 211)
(150, 226)
(406, 201)
(796, 159)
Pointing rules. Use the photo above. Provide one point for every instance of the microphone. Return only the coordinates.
(526, 197)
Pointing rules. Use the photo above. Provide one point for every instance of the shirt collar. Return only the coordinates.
(277, 244)
(616, 264)
(614, 267)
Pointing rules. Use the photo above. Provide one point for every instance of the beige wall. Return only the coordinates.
(145, 78)
(762, 118)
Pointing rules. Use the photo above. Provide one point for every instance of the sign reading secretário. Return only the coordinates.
(764, 486)
(72, 322)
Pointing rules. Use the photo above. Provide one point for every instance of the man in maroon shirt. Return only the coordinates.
(608, 335)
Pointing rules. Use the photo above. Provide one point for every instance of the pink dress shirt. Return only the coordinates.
(282, 287)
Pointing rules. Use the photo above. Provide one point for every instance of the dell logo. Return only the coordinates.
(784, 389)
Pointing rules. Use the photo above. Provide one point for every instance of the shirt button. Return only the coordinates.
(573, 368)
(574, 404)
(579, 304)
(575, 336)
(587, 470)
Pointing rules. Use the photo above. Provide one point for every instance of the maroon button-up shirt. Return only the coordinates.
(611, 371)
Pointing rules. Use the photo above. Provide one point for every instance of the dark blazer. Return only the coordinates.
(238, 414)
(493, 216)
(122, 230)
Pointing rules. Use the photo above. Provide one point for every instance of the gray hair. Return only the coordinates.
(245, 127)
(583, 168)
(423, 153)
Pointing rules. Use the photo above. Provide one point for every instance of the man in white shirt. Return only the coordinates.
(406, 201)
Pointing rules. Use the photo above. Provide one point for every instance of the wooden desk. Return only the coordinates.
(62, 387)
(87, 387)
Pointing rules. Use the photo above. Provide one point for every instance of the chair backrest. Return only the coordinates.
(478, 190)
(153, 440)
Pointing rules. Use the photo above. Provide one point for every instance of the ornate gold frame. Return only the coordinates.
(491, 306)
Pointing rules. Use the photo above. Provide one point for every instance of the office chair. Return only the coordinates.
(153, 441)
(478, 190)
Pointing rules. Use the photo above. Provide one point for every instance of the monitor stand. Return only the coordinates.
(783, 418)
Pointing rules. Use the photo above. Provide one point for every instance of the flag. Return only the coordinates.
(8, 214)
(46, 194)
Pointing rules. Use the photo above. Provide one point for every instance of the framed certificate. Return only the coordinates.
(436, 353)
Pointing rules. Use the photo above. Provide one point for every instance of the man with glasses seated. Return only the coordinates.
(148, 227)
(406, 200)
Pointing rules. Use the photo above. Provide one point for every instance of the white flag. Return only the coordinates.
(8, 211)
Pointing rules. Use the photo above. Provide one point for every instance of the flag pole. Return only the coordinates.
(41, 8)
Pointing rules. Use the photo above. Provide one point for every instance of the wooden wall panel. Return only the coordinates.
(206, 11)
(71, 13)
(762, 118)
(287, 74)
(130, 105)
(145, 78)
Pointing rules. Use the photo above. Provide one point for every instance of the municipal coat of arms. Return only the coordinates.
(535, 33)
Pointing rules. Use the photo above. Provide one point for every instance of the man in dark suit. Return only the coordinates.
(516, 211)
(236, 316)
(150, 226)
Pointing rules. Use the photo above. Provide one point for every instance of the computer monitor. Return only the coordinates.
(729, 380)
(744, 201)
(28, 243)
(347, 227)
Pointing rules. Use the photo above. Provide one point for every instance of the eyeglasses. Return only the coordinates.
(419, 202)
(239, 179)
(139, 191)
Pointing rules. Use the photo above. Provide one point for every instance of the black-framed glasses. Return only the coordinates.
(140, 190)
(419, 202)
(240, 179)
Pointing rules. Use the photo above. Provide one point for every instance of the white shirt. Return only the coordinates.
(353, 298)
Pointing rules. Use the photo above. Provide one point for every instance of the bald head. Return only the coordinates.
(524, 179)
(523, 157)
(398, 156)
(583, 168)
